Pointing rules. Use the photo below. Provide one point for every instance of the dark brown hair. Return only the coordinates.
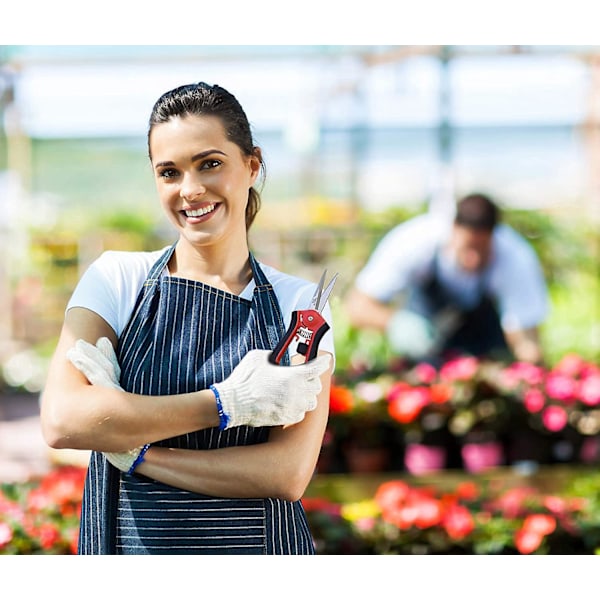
(202, 99)
(477, 211)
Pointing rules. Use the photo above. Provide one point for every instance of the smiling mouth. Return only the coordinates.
(200, 212)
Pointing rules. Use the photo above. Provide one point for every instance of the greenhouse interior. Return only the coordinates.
(471, 455)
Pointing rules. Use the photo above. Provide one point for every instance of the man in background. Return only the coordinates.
(439, 287)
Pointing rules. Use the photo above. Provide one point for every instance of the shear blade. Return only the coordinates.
(321, 295)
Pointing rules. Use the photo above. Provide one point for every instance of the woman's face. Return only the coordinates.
(202, 178)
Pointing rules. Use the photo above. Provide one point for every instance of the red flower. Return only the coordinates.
(407, 405)
(321, 505)
(535, 527)
(391, 493)
(527, 541)
(542, 524)
(73, 540)
(49, 535)
(427, 510)
(458, 522)
(467, 490)
(341, 399)
(440, 393)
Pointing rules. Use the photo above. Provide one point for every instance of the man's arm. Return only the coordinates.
(365, 312)
(525, 344)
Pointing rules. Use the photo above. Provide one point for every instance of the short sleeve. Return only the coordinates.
(520, 284)
(403, 256)
(110, 285)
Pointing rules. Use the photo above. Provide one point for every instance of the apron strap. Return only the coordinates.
(265, 302)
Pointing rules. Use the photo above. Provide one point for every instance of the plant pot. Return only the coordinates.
(481, 456)
(366, 459)
(420, 459)
(589, 452)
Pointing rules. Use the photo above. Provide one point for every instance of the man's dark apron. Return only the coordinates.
(183, 336)
(477, 331)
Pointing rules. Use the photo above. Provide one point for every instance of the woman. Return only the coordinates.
(201, 445)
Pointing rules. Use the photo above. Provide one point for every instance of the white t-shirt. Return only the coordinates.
(111, 284)
(514, 277)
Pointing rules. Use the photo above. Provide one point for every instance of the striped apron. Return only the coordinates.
(183, 336)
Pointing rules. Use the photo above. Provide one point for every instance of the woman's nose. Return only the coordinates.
(192, 188)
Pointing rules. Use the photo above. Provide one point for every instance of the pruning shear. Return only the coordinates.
(307, 326)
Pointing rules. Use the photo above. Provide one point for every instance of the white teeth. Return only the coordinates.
(200, 212)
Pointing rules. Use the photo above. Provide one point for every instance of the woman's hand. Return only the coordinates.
(259, 393)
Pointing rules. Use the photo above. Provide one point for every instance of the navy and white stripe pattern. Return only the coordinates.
(184, 336)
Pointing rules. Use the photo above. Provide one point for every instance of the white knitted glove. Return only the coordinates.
(98, 363)
(259, 393)
(100, 366)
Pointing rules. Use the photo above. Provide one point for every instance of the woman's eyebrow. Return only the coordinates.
(199, 156)
(207, 153)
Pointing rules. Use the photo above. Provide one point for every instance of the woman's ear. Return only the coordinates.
(255, 162)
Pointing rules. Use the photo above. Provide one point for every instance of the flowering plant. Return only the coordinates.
(461, 396)
(566, 395)
(42, 517)
(477, 516)
(472, 518)
(517, 412)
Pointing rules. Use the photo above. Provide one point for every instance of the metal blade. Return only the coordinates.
(325, 293)
(316, 298)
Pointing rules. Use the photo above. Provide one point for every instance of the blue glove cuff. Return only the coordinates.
(139, 460)
(223, 418)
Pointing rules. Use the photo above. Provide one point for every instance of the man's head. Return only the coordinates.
(474, 222)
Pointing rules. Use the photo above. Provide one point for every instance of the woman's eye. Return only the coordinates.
(168, 174)
(210, 164)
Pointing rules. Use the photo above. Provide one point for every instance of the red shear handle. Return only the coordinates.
(307, 327)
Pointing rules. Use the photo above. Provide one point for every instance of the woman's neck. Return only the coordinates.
(230, 271)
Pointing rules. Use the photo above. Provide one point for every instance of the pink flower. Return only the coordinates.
(542, 524)
(527, 541)
(571, 365)
(589, 390)
(459, 369)
(534, 400)
(560, 386)
(522, 372)
(425, 372)
(6, 534)
(365, 524)
(368, 391)
(555, 504)
(554, 418)
(511, 502)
